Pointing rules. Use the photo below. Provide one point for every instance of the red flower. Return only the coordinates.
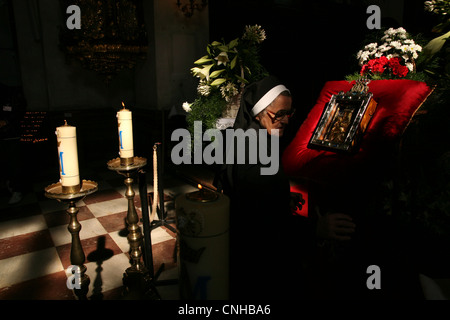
(364, 69)
(380, 65)
(397, 68)
(377, 65)
(394, 62)
(382, 60)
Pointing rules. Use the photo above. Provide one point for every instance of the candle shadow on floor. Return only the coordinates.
(99, 255)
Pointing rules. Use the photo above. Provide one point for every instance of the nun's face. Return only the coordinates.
(276, 115)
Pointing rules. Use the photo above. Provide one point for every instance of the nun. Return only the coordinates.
(267, 241)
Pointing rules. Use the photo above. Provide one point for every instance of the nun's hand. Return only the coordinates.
(335, 226)
(297, 201)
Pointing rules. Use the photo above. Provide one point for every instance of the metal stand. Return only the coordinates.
(163, 221)
(149, 226)
(136, 279)
(77, 256)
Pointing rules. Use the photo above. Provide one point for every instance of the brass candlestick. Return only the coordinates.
(136, 276)
(77, 257)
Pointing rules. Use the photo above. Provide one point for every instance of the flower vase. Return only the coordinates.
(229, 113)
(232, 107)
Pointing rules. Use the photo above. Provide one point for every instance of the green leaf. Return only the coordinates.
(216, 43)
(218, 82)
(233, 62)
(436, 44)
(241, 79)
(223, 48)
(203, 60)
(441, 27)
(233, 43)
(216, 73)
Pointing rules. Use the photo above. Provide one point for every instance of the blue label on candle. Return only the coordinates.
(120, 139)
(62, 163)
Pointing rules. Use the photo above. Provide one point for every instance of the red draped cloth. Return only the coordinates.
(351, 184)
(398, 100)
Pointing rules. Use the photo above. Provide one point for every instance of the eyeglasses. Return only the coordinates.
(280, 115)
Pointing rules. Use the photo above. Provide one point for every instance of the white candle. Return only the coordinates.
(66, 137)
(125, 126)
(203, 222)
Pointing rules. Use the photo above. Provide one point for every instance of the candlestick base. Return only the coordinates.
(77, 256)
(71, 189)
(136, 279)
(126, 161)
(128, 167)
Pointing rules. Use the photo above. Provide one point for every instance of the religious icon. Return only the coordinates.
(345, 119)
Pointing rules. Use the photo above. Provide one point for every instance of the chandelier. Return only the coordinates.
(112, 36)
(188, 8)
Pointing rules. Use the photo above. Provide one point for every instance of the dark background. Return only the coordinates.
(308, 43)
(311, 42)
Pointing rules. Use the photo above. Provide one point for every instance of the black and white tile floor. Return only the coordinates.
(35, 243)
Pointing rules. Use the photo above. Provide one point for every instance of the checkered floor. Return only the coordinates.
(35, 243)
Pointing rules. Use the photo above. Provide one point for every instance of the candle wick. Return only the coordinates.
(65, 122)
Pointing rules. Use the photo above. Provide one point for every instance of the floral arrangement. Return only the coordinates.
(422, 200)
(223, 72)
(418, 194)
(436, 51)
(395, 58)
(440, 8)
(227, 67)
(391, 66)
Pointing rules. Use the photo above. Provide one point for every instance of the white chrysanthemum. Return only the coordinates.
(187, 106)
(364, 56)
(228, 91)
(358, 55)
(392, 55)
(416, 48)
(389, 32)
(396, 44)
(384, 48)
(254, 33)
(410, 66)
(203, 89)
(429, 6)
(405, 48)
(371, 46)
